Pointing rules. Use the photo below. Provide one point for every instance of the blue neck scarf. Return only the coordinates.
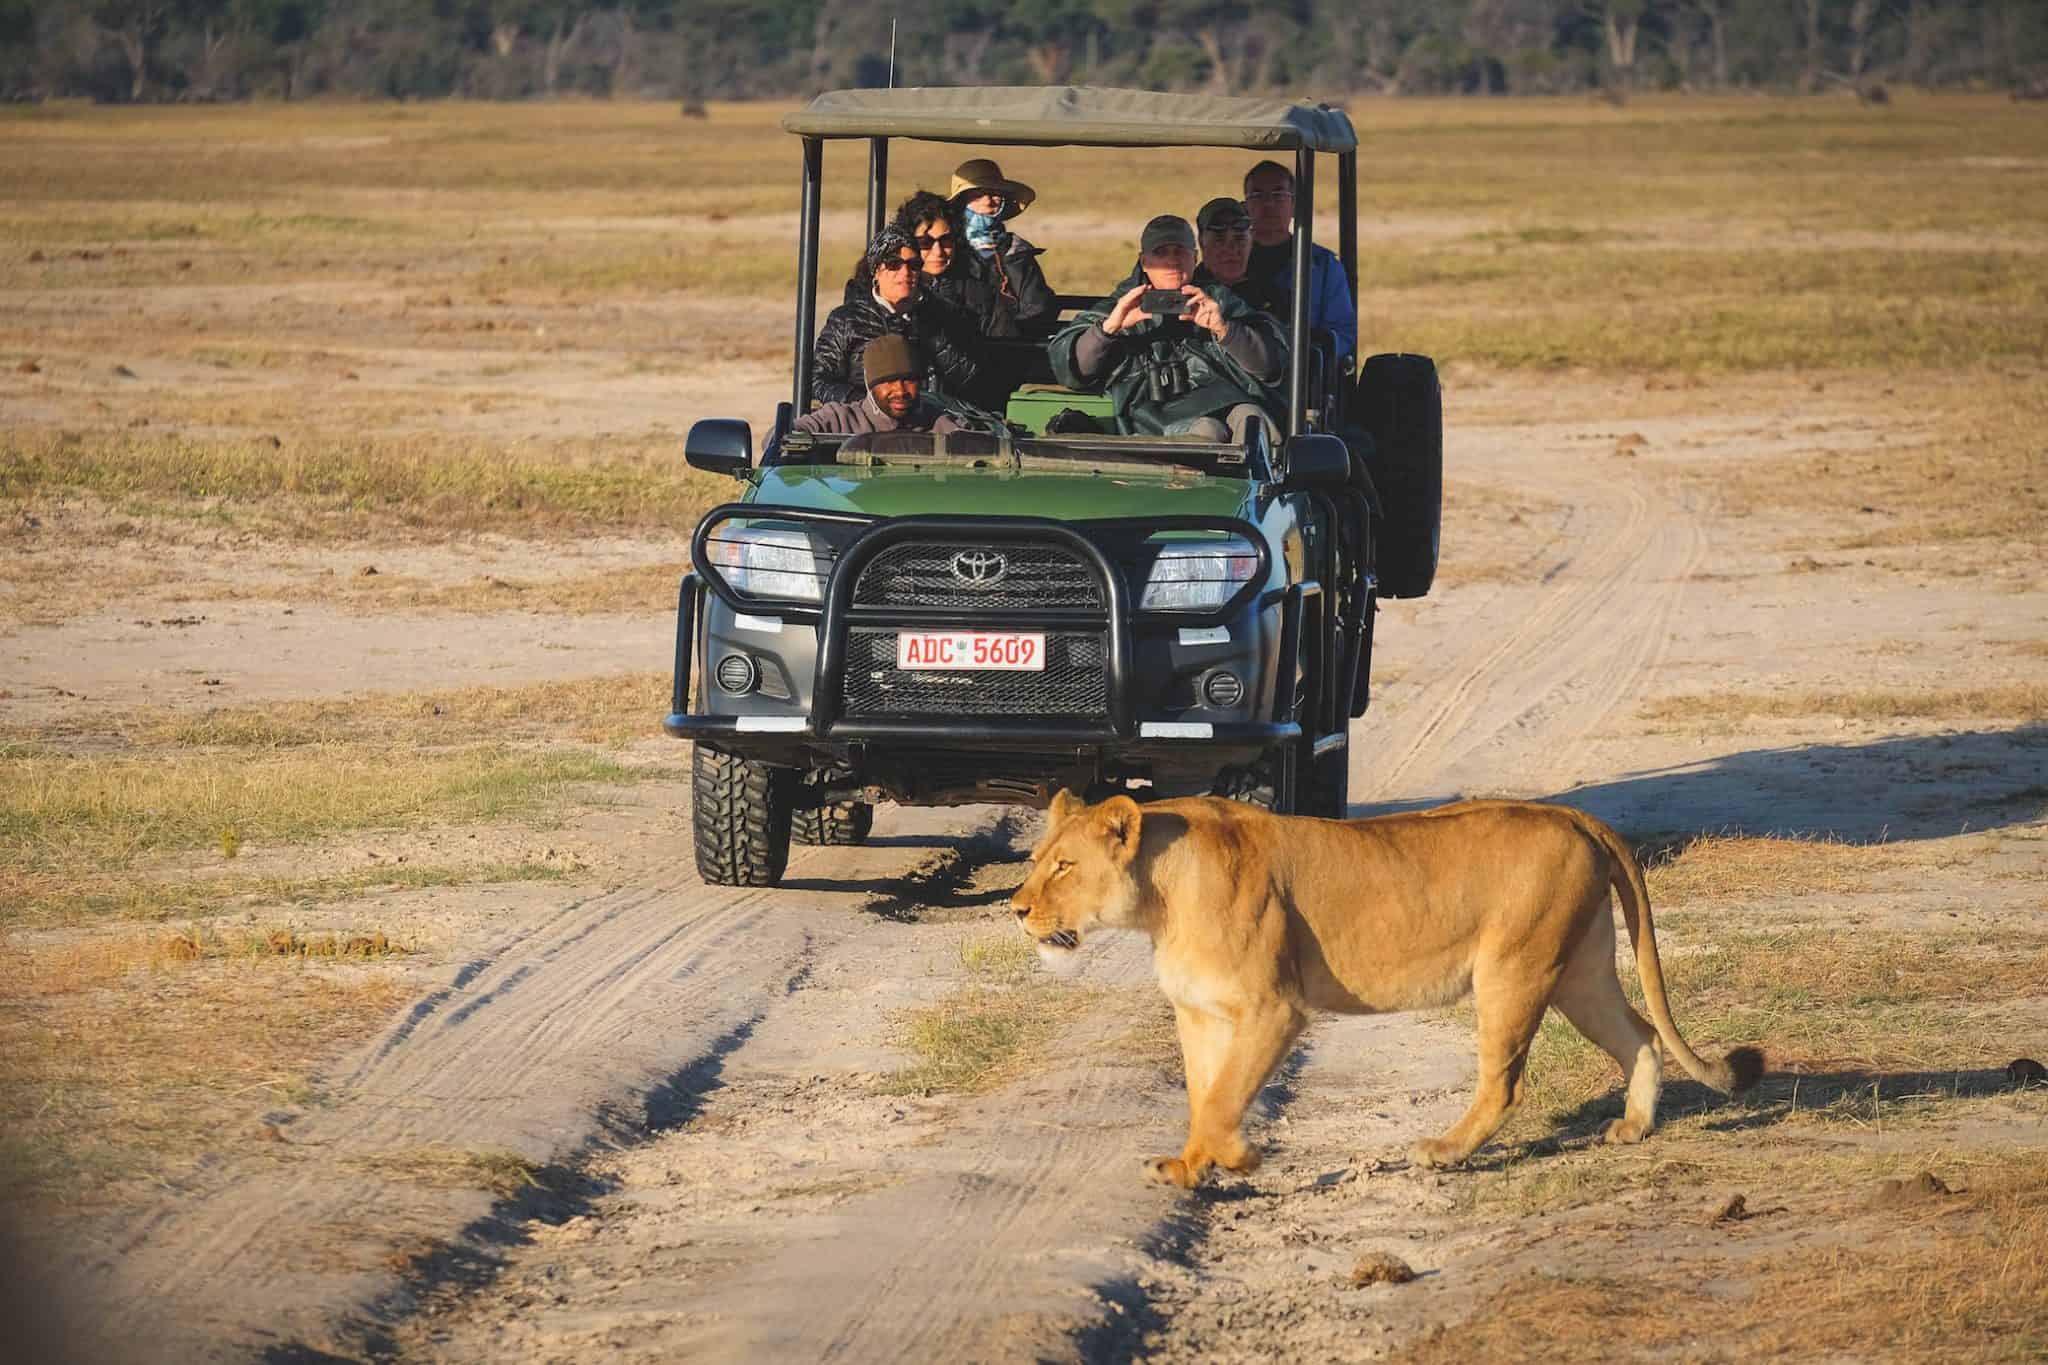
(985, 231)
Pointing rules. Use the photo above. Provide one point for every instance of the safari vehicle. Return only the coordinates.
(989, 617)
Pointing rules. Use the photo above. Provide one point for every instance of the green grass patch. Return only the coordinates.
(610, 709)
(45, 899)
(414, 481)
(974, 1041)
(106, 813)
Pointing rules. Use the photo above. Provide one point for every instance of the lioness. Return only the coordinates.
(1257, 918)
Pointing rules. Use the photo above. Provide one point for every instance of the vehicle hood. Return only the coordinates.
(1079, 496)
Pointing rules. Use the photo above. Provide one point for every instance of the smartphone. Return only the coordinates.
(1165, 303)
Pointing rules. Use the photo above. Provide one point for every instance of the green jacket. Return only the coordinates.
(1195, 376)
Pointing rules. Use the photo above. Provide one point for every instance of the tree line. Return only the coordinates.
(164, 50)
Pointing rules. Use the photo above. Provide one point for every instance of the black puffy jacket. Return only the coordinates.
(1023, 288)
(941, 336)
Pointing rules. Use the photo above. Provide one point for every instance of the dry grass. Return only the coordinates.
(1003, 959)
(102, 961)
(603, 710)
(1743, 868)
(318, 486)
(1959, 1278)
(2008, 701)
(998, 1026)
(74, 896)
(1959, 460)
(107, 1074)
(80, 837)
(1838, 1011)
(1848, 1017)
(973, 1042)
(1694, 234)
(110, 811)
(505, 1174)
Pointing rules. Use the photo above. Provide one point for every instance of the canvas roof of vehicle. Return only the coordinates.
(1074, 116)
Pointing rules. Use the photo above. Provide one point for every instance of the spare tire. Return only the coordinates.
(1401, 404)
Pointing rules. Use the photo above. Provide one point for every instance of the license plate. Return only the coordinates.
(1006, 651)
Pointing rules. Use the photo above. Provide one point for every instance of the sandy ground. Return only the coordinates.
(695, 1070)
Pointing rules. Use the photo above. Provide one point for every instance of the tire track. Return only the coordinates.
(522, 1050)
(1018, 1214)
(1521, 697)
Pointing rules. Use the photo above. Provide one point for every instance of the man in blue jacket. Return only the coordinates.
(1269, 195)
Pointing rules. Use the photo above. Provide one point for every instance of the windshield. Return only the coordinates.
(987, 450)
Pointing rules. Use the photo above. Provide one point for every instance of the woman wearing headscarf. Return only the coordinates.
(987, 201)
(887, 294)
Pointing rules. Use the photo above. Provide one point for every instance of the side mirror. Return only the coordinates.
(1318, 460)
(720, 445)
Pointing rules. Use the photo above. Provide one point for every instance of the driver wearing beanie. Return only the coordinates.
(895, 400)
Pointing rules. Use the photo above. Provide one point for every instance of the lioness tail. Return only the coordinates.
(1742, 1066)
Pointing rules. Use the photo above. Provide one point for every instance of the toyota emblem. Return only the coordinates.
(980, 568)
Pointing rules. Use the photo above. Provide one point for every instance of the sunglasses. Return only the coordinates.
(943, 242)
(899, 263)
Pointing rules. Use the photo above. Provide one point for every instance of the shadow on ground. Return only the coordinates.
(1777, 1098)
(1904, 787)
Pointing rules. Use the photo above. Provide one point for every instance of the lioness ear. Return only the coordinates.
(1120, 819)
(1065, 806)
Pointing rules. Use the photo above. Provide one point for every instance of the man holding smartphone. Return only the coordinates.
(1178, 358)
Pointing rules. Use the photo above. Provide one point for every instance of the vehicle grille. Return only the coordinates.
(1027, 577)
(1075, 681)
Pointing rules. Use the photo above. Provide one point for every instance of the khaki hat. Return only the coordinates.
(1225, 213)
(1167, 227)
(983, 176)
(888, 357)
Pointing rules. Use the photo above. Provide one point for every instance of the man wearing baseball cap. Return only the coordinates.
(1225, 229)
(1206, 370)
(895, 400)
(988, 200)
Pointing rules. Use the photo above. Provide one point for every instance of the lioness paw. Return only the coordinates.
(1431, 1153)
(1625, 1130)
(1243, 1162)
(1171, 1170)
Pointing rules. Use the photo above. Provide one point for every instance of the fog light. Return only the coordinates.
(736, 673)
(1223, 689)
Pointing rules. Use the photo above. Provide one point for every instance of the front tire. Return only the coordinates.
(836, 826)
(740, 819)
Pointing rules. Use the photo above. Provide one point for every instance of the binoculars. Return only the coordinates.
(1166, 374)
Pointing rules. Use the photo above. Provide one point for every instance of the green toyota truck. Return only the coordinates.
(991, 616)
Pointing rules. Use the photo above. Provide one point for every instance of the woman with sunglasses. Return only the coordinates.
(954, 274)
(887, 294)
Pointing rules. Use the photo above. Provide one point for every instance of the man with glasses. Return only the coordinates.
(1269, 194)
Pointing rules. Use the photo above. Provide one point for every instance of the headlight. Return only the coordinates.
(1198, 575)
(767, 561)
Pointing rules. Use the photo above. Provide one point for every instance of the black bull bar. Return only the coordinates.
(826, 736)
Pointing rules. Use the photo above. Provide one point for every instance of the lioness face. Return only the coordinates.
(1080, 874)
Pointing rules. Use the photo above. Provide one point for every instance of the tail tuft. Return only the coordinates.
(1745, 1067)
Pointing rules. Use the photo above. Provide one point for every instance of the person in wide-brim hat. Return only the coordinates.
(972, 179)
(985, 199)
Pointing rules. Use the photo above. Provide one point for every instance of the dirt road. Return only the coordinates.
(717, 1172)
